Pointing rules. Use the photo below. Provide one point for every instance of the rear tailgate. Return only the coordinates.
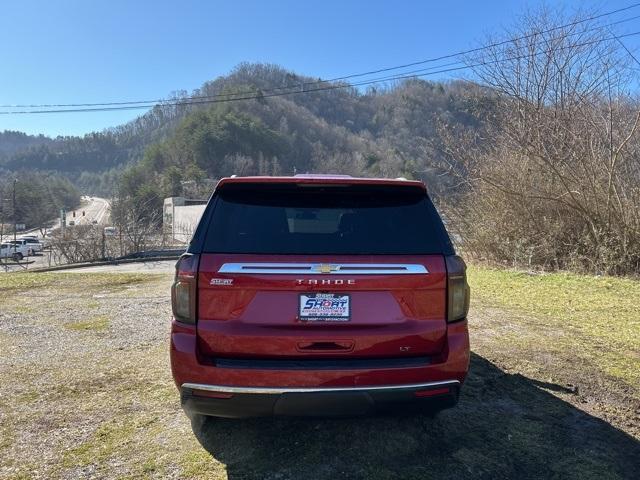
(252, 308)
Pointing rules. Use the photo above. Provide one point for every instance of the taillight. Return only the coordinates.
(183, 290)
(458, 291)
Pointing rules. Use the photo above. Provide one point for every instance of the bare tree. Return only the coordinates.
(81, 243)
(556, 180)
(137, 219)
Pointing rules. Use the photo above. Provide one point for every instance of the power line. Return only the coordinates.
(625, 47)
(260, 95)
(145, 103)
(498, 44)
(419, 72)
(318, 89)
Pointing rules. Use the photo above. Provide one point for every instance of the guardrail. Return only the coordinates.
(157, 256)
(10, 265)
(7, 262)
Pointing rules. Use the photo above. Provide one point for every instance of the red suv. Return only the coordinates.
(316, 296)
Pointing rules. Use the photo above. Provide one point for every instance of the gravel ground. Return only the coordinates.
(81, 352)
(86, 392)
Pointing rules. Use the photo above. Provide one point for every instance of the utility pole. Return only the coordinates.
(15, 218)
(104, 241)
(3, 202)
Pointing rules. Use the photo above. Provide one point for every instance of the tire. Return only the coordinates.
(17, 256)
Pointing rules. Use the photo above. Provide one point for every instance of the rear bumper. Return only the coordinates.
(235, 402)
(347, 388)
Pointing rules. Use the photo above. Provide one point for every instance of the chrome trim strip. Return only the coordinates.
(325, 268)
(281, 390)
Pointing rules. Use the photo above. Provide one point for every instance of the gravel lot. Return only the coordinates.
(80, 352)
(86, 392)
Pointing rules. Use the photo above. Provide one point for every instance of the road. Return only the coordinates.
(95, 209)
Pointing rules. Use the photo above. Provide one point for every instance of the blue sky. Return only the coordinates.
(100, 51)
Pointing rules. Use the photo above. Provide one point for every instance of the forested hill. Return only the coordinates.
(12, 142)
(394, 131)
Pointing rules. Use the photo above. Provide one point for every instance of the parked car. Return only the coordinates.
(110, 231)
(32, 245)
(319, 296)
(13, 251)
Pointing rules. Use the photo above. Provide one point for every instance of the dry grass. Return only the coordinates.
(600, 314)
(98, 401)
(96, 323)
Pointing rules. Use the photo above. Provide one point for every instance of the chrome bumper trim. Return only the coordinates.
(281, 390)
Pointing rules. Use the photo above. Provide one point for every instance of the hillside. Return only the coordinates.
(12, 142)
(493, 160)
(378, 132)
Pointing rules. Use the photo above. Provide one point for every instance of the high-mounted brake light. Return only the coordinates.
(458, 291)
(184, 289)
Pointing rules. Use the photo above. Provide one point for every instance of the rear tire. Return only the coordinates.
(17, 256)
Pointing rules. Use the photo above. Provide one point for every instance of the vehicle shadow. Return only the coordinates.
(505, 426)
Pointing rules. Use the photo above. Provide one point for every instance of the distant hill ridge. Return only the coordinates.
(377, 132)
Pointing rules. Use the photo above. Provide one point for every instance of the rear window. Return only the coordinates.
(341, 220)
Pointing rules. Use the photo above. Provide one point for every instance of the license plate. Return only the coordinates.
(327, 307)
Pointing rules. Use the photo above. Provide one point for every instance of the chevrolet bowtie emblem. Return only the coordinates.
(326, 268)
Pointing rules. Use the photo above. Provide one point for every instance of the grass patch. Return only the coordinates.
(24, 281)
(605, 307)
(107, 439)
(6, 437)
(198, 464)
(29, 396)
(92, 305)
(594, 318)
(149, 466)
(20, 476)
(24, 309)
(96, 324)
(72, 282)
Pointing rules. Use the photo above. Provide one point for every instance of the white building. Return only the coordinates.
(180, 217)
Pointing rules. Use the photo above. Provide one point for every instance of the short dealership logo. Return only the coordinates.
(221, 281)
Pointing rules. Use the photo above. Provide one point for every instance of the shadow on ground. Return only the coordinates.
(505, 426)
